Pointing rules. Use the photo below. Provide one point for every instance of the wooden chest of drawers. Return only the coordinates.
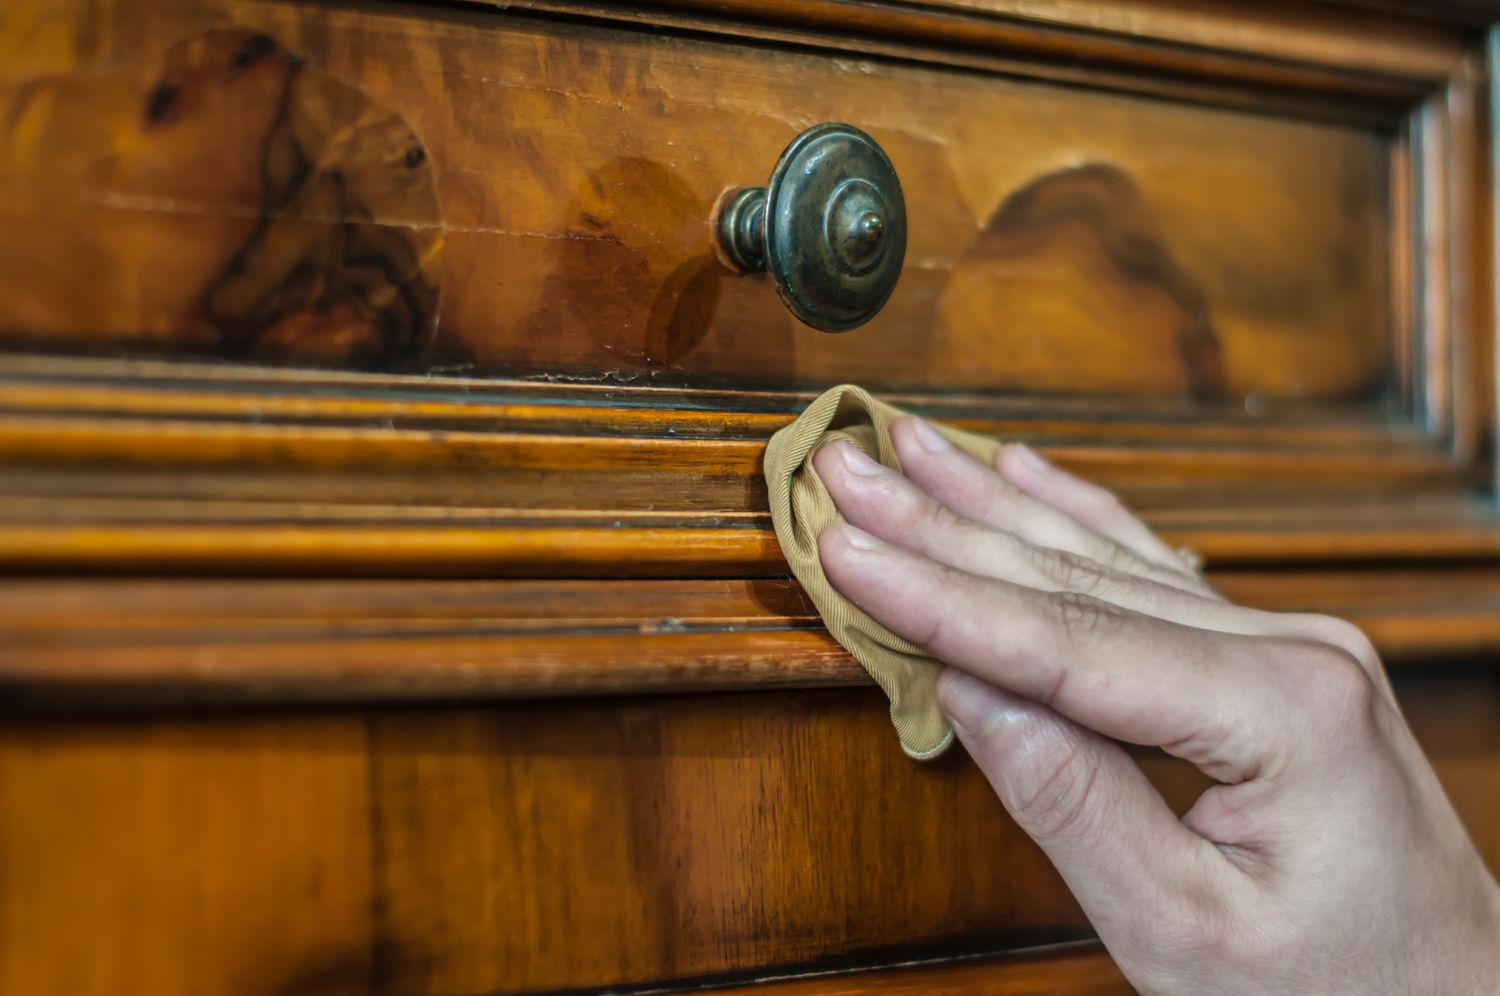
(389, 601)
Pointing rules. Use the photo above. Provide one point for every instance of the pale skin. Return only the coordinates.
(1327, 859)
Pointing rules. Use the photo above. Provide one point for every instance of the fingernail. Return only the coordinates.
(932, 441)
(1032, 459)
(971, 704)
(861, 540)
(857, 461)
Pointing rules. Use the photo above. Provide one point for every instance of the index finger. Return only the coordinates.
(1210, 697)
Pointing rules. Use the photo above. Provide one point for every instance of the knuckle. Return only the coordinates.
(1207, 936)
(1075, 573)
(1060, 801)
(935, 519)
(1347, 637)
(1337, 685)
(1082, 617)
(1119, 557)
(935, 626)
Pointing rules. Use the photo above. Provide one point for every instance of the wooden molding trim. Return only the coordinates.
(74, 385)
(1282, 57)
(527, 548)
(124, 467)
(277, 642)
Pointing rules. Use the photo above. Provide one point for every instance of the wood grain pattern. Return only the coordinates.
(201, 643)
(713, 813)
(130, 466)
(1284, 55)
(576, 167)
(716, 838)
(185, 857)
(126, 447)
(322, 211)
(1232, 261)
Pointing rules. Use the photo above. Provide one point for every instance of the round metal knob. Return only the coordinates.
(829, 227)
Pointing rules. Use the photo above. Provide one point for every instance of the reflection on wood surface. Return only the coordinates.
(226, 198)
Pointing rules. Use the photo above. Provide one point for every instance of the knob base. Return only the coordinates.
(740, 231)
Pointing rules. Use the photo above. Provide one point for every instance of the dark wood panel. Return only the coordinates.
(499, 195)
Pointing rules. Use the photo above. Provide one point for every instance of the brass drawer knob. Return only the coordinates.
(829, 227)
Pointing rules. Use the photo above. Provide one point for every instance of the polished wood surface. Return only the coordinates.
(210, 644)
(493, 194)
(1065, 969)
(538, 846)
(185, 857)
(1295, 57)
(122, 467)
(388, 603)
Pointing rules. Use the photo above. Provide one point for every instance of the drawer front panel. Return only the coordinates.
(497, 195)
(533, 847)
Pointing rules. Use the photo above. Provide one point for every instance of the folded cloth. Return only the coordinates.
(801, 509)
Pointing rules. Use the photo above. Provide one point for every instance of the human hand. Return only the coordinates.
(1326, 860)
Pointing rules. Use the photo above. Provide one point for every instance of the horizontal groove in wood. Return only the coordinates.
(103, 377)
(121, 497)
(1050, 48)
(321, 641)
(193, 473)
(1404, 47)
(137, 604)
(1060, 971)
(307, 548)
(676, 414)
(535, 547)
(36, 441)
(413, 668)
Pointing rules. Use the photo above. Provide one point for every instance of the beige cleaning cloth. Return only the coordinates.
(801, 509)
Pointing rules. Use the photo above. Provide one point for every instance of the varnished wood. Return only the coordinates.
(1066, 969)
(1154, 47)
(530, 548)
(692, 808)
(39, 384)
(518, 467)
(446, 270)
(717, 838)
(124, 467)
(604, 246)
(154, 643)
(170, 857)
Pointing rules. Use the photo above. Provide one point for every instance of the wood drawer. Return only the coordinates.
(388, 599)
(630, 845)
(1225, 262)
(504, 196)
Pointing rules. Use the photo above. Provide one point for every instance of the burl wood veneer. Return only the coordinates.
(388, 601)
(419, 189)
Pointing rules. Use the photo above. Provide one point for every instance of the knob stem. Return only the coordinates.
(742, 229)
